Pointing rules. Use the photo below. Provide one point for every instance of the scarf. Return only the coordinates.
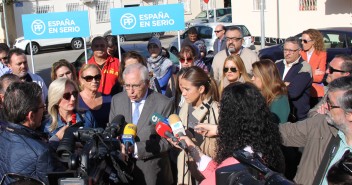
(158, 66)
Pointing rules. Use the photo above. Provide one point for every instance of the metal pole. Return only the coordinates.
(214, 3)
(30, 45)
(85, 50)
(5, 23)
(179, 46)
(119, 46)
(262, 38)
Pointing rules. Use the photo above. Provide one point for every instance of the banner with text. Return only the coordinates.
(147, 19)
(55, 25)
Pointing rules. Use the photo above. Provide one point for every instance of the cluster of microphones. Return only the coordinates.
(169, 128)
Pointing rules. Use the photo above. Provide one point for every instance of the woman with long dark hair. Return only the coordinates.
(244, 121)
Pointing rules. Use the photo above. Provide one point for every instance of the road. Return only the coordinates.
(44, 60)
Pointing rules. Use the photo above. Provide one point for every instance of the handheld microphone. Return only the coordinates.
(114, 128)
(129, 133)
(176, 125)
(165, 131)
(156, 117)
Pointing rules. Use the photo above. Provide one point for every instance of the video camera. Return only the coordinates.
(247, 171)
(98, 161)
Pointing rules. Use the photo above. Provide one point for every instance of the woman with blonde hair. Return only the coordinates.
(201, 106)
(90, 99)
(63, 109)
(313, 51)
(267, 79)
(233, 71)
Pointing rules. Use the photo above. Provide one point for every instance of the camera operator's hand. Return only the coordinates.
(61, 132)
(206, 130)
(123, 156)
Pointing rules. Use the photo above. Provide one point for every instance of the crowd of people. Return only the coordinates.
(280, 110)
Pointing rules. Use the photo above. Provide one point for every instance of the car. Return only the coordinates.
(206, 32)
(226, 18)
(337, 40)
(42, 44)
(138, 36)
(202, 16)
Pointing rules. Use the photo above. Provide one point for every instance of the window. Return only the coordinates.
(187, 6)
(256, 5)
(205, 32)
(70, 7)
(44, 9)
(307, 5)
(102, 10)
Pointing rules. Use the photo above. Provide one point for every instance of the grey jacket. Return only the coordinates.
(314, 134)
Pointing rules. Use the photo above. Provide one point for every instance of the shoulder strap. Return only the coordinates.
(331, 150)
(209, 107)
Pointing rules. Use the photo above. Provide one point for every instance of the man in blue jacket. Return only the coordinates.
(22, 149)
(297, 75)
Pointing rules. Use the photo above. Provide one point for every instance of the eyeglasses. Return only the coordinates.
(67, 96)
(332, 70)
(306, 41)
(232, 69)
(217, 31)
(133, 86)
(89, 78)
(330, 106)
(290, 50)
(233, 39)
(183, 60)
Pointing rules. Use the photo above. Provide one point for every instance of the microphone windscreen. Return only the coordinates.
(156, 117)
(176, 125)
(161, 128)
(130, 129)
(118, 120)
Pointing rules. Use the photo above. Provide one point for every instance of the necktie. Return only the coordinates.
(135, 115)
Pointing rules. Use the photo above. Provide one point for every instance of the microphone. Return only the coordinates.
(129, 133)
(113, 129)
(156, 117)
(165, 131)
(176, 125)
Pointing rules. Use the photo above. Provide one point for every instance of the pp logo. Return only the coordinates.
(128, 21)
(38, 27)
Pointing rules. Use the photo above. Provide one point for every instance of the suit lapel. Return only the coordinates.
(128, 111)
(146, 112)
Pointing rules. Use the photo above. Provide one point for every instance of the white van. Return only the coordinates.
(202, 16)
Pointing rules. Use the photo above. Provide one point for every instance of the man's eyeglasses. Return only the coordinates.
(217, 31)
(330, 106)
(290, 50)
(228, 39)
(183, 60)
(306, 41)
(67, 96)
(133, 86)
(232, 69)
(332, 70)
(90, 78)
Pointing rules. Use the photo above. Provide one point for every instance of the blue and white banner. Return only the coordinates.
(55, 25)
(147, 19)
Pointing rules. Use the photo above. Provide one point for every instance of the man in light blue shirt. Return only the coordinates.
(4, 50)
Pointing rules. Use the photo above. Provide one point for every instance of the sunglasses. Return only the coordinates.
(89, 78)
(232, 69)
(182, 60)
(67, 96)
(306, 41)
(217, 31)
(333, 70)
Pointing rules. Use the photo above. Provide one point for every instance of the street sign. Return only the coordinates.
(147, 19)
(56, 25)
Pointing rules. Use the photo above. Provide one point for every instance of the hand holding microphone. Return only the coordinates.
(206, 130)
(129, 133)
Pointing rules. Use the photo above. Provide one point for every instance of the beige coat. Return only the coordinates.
(204, 115)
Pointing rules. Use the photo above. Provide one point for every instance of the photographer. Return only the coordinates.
(247, 124)
(22, 148)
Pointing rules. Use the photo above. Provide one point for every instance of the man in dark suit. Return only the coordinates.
(137, 104)
(220, 41)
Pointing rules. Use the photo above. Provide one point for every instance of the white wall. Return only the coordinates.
(284, 19)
